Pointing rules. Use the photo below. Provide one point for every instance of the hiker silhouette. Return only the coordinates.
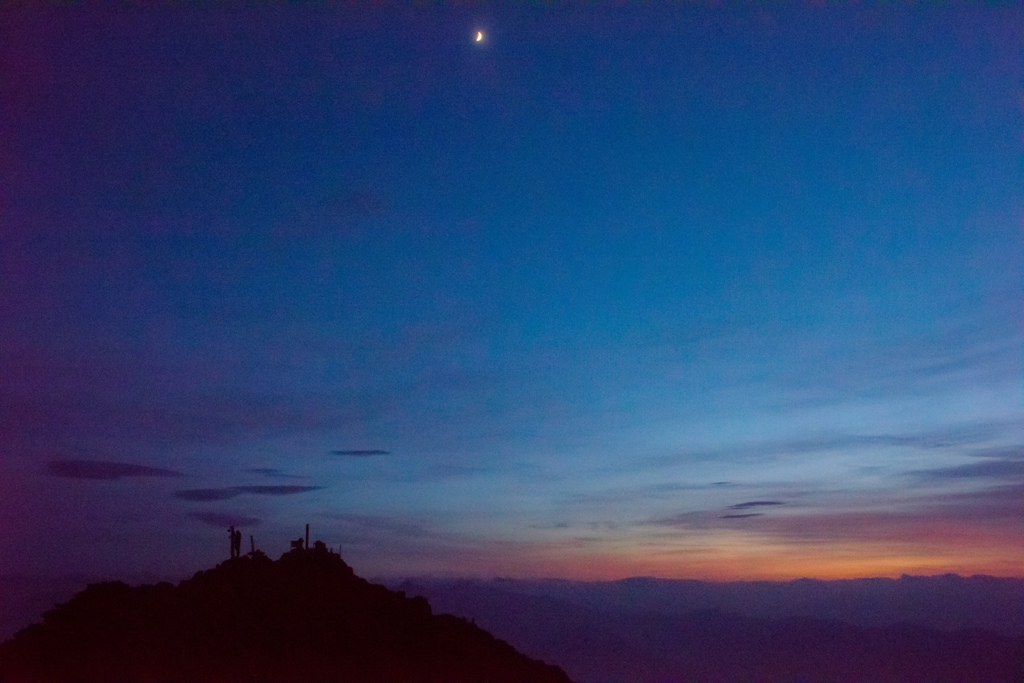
(235, 536)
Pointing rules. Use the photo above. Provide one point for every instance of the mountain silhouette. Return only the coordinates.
(617, 632)
(305, 617)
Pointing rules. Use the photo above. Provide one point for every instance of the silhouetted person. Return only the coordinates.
(235, 535)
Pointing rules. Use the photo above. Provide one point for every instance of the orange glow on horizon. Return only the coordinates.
(734, 557)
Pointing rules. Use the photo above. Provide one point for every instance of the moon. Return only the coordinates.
(479, 36)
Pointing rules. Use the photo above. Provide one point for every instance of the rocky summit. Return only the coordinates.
(305, 617)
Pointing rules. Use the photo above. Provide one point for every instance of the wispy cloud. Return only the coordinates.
(997, 469)
(92, 409)
(949, 520)
(923, 517)
(963, 437)
(360, 453)
(664, 490)
(276, 490)
(209, 495)
(1000, 453)
(997, 462)
(969, 348)
(206, 495)
(377, 531)
(224, 519)
(754, 504)
(271, 472)
(104, 470)
(683, 519)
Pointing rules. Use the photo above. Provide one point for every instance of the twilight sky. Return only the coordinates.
(687, 292)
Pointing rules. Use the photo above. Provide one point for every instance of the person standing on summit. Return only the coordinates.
(235, 535)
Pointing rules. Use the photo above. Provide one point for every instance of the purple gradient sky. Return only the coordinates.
(599, 287)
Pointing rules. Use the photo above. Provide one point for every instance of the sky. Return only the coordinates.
(694, 291)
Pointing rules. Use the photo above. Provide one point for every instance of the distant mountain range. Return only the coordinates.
(306, 617)
(943, 628)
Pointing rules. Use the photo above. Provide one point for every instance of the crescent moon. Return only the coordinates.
(479, 36)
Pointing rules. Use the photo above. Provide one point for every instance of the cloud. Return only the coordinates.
(703, 519)
(942, 518)
(208, 495)
(985, 525)
(370, 528)
(225, 519)
(276, 490)
(961, 437)
(667, 490)
(1000, 469)
(1000, 453)
(967, 349)
(998, 462)
(84, 401)
(360, 454)
(104, 470)
(754, 504)
(271, 472)
(683, 519)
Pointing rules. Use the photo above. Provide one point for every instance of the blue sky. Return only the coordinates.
(594, 285)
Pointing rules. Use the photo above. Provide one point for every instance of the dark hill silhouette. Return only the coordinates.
(305, 617)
